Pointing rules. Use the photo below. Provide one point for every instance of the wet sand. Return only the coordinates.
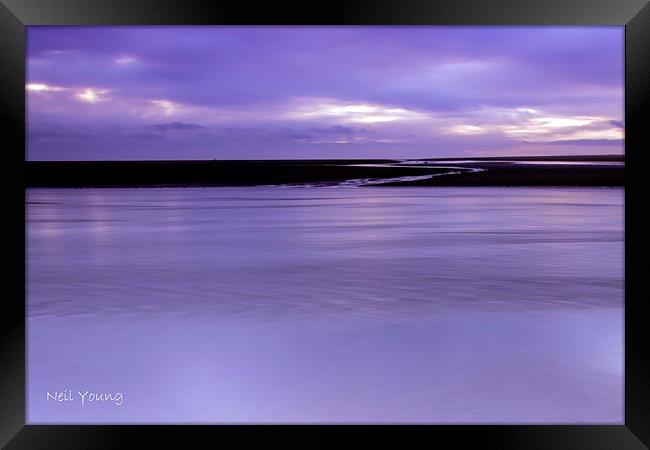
(318, 305)
(505, 174)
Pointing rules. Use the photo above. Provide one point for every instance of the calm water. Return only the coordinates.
(442, 305)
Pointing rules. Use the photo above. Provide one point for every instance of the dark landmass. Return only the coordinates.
(207, 173)
(495, 172)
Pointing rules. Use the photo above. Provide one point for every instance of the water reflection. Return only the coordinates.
(258, 290)
(520, 248)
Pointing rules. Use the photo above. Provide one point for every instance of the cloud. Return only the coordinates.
(58, 133)
(125, 59)
(92, 95)
(335, 129)
(42, 87)
(428, 90)
(173, 126)
(350, 112)
(587, 142)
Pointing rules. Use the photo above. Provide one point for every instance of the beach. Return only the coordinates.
(338, 305)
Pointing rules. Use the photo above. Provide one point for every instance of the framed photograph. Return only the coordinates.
(380, 214)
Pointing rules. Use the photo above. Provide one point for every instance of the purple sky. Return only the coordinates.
(322, 92)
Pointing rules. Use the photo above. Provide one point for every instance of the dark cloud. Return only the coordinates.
(172, 126)
(442, 67)
(58, 133)
(335, 130)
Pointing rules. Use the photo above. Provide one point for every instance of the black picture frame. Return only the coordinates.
(15, 15)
